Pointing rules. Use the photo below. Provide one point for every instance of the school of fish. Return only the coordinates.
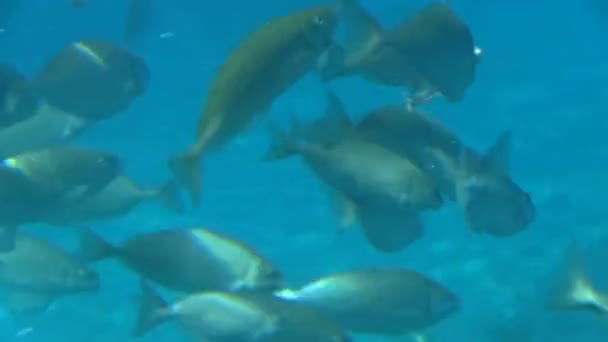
(383, 174)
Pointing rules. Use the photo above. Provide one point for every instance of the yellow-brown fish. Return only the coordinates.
(188, 260)
(238, 317)
(262, 68)
(575, 290)
(433, 52)
(386, 300)
(94, 79)
(116, 199)
(383, 191)
(35, 273)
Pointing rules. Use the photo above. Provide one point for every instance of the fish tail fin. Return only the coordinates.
(282, 145)
(93, 247)
(169, 195)
(8, 236)
(332, 127)
(575, 290)
(187, 170)
(331, 63)
(362, 33)
(152, 311)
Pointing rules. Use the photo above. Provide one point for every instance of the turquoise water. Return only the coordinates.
(543, 76)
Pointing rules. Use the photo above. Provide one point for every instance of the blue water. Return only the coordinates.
(544, 77)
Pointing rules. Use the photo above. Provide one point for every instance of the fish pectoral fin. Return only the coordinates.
(21, 302)
(389, 228)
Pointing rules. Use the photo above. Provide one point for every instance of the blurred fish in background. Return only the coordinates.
(138, 19)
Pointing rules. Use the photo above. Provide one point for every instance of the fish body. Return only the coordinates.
(239, 317)
(188, 260)
(387, 301)
(93, 79)
(35, 272)
(264, 66)
(118, 198)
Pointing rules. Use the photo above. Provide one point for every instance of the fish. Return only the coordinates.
(34, 183)
(381, 190)
(433, 53)
(83, 171)
(188, 260)
(93, 79)
(36, 273)
(481, 184)
(17, 100)
(263, 67)
(116, 199)
(49, 126)
(237, 317)
(389, 301)
(575, 291)
(138, 18)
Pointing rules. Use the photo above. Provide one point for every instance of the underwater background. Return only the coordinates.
(543, 76)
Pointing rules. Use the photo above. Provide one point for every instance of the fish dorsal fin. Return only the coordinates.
(332, 127)
(497, 158)
(362, 30)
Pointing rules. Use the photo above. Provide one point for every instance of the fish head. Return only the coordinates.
(319, 26)
(442, 302)
(497, 206)
(77, 278)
